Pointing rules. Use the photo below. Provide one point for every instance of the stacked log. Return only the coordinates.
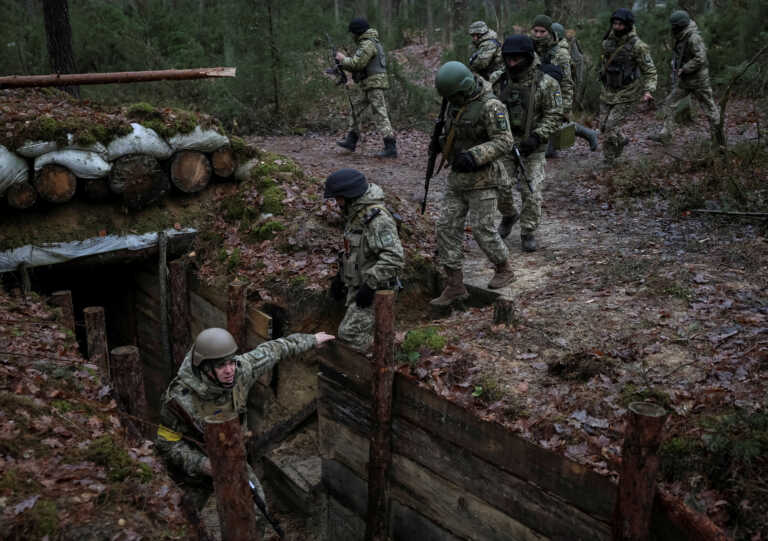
(190, 171)
(22, 196)
(139, 179)
(55, 184)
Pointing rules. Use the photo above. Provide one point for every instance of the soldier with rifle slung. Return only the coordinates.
(369, 69)
(213, 381)
(477, 136)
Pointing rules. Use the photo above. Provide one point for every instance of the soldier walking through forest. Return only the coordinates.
(535, 107)
(214, 382)
(628, 76)
(691, 74)
(477, 136)
(369, 70)
(372, 258)
(486, 58)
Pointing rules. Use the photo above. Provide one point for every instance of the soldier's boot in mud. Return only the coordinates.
(390, 148)
(507, 222)
(504, 276)
(350, 143)
(528, 241)
(454, 289)
(589, 135)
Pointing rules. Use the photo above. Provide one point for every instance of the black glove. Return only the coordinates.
(364, 297)
(464, 162)
(529, 144)
(338, 289)
(435, 147)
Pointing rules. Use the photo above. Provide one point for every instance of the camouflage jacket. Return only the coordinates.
(560, 55)
(578, 64)
(487, 56)
(372, 251)
(368, 58)
(547, 107)
(631, 71)
(691, 57)
(481, 127)
(191, 397)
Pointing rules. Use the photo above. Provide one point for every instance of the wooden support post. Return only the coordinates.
(128, 381)
(504, 312)
(226, 451)
(162, 277)
(380, 450)
(26, 283)
(639, 466)
(696, 525)
(96, 338)
(236, 320)
(180, 316)
(63, 300)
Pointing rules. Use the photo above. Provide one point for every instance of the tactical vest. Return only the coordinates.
(620, 68)
(516, 97)
(468, 131)
(377, 64)
(354, 243)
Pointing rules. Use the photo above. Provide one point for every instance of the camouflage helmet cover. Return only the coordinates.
(679, 19)
(478, 27)
(453, 78)
(213, 343)
(558, 30)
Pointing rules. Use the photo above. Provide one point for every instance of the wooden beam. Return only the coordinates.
(96, 338)
(237, 293)
(181, 335)
(63, 300)
(128, 382)
(69, 79)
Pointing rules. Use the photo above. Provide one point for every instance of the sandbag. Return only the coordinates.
(82, 163)
(198, 139)
(141, 141)
(13, 169)
(33, 149)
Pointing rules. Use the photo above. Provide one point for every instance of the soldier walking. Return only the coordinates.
(628, 76)
(477, 136)
(486, 58)
(552, 50)
(535, 107)
(369, 69)
(372, 258)
(691, 73)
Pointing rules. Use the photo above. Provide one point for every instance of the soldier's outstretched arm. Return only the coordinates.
(382, 238)
(261, 359)
(500, 141)
(361, 58)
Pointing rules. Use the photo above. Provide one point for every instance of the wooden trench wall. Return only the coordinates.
(453, 475)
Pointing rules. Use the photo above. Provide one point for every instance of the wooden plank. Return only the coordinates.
(343, 524)
(204, 314)
(344, 485)
(338, 403)
(409, 525)
(215, 296)
(259, 323)
(277, 432)
(340, 444)
(349, 363)
(297, 481)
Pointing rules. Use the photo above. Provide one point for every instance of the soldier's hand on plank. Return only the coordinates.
(323, 337)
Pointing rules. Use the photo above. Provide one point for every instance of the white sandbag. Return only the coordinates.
(141, 141)
(198, 139)
(33, 149)
(13, 169)
(82, 163)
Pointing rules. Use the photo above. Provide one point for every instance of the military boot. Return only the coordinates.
(390, 148)
(350, 143)
(454, 289)
(589, 135)
(504, 276)
(528, 241)
(507, 222)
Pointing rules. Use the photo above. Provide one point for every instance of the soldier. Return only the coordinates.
(535, 108)
(691, 72)
(214, 381)
(628, 76)
(478, 136)
(373, 256)
(369, 69)
(487, 56)
(551, 49)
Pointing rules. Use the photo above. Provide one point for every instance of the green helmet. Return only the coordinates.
(454, 78)
(679, 19)
(558, 30)
(478, 27)
(212, 343)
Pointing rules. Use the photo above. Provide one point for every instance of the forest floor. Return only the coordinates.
(629, 297)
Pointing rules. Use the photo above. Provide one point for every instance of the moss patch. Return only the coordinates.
(420, 342)
(273, 200)
(265, 231)
(104, 451)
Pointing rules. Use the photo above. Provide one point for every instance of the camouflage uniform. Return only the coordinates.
(369, 69)
(559, 55)
(631, 73)
(578, 67)
(192, 396)
(691, 57)
(487, 56)
(546, 117)
(480, 127)
(372, 255)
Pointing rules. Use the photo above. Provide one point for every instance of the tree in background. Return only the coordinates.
(59, 37)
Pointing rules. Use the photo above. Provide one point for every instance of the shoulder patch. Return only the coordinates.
(557, 97)
(369, 216)
(501, 120)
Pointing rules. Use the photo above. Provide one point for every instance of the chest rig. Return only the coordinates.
(467, 129)
(620, 68)
(520, 99)
(377, 64)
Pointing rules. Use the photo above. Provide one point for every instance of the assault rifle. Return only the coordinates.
(341, 75)
(434, 145)
(521, 167)
(263, 508)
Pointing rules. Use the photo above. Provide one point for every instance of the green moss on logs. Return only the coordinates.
(273, 200)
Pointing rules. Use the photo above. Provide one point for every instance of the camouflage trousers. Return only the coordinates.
(373, 105)
(530, 210)
(612, 116)
(357, 326)
(701, 94)
(481, 206)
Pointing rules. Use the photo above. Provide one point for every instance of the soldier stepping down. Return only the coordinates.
(476, 137)
(535, 104)
(369, 70)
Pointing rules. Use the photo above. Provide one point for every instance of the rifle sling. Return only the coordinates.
(451, 136)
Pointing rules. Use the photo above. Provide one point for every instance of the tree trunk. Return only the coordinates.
(128, 381)
(223, 162)
(275, 57)
(96, 338)
(430, 21)
(55, 184)
(190, 171)
(63, 300)
(22, 196)
(56, 79)
(59, 38)
(138, 179)
(96, 189)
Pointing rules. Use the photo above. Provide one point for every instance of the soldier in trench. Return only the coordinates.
(214, 382)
